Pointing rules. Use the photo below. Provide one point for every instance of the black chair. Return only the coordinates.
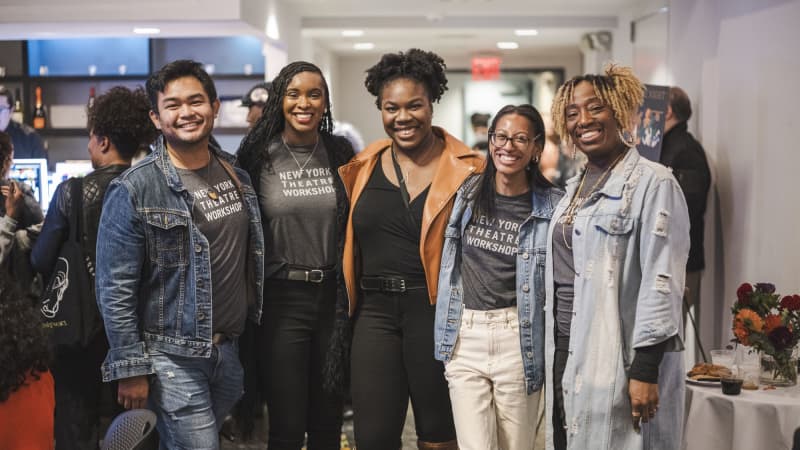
(132, 430)
(796, 445)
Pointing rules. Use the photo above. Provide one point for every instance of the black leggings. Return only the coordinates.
(392, 359)
(298, 323)
(559, 418)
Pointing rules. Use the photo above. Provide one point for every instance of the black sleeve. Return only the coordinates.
(54, 231)
(646, 361)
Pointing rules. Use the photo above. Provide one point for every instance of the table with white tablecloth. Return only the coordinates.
(753, 420)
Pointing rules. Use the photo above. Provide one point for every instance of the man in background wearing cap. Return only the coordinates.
(255, 100)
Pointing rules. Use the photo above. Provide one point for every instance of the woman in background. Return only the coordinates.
(292, 158)
(27, 394)
(615, 278)
(489, 319)
(401, 192)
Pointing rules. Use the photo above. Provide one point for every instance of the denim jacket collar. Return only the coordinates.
(164, 163)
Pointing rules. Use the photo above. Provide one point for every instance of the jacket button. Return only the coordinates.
(525, 255)
(201, 316)
(526, 323)
(525, 288)
(577, 231)
(198, 248)
(530, 355)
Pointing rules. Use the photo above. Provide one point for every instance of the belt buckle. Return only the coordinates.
(393, 285)
(315, 276)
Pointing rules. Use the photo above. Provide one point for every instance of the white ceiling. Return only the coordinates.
(447, 26)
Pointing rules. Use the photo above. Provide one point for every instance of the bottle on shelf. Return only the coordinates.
(90, 103)
(344, 443)
(39, 116)
(16, 114)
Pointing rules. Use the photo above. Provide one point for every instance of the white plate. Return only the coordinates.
(702, 382)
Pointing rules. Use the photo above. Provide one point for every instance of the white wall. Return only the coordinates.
(352, 103)
(737, 61)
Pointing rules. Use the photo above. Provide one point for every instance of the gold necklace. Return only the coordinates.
(568, 218)
(301, 167)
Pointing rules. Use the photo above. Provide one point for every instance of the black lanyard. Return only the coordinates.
(400, 179)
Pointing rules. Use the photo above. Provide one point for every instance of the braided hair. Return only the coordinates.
(424, 67)
(253, 153)
(618, 88)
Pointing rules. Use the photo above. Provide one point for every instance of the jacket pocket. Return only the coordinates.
(170, 237)
(614, 225)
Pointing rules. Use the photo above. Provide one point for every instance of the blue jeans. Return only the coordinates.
(192, 396)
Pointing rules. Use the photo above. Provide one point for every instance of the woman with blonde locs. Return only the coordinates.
(614, 279)
(489, 319)
(292, 157)
(401, 192)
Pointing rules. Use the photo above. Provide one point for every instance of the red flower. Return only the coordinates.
(781, 338)
(791, 302)
(771, 322)
(765, 288)
(743, 293)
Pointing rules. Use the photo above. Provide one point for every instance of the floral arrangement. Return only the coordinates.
(769, 323)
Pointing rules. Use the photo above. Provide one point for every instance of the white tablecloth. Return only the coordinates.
(753, 420)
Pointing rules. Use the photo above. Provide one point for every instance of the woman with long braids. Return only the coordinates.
(491, 288)
(401, 192)
(292, 159)
(614, 279)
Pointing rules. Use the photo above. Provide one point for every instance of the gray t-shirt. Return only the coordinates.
(298, 203)
(225, 223)
(489, 254)
(563, 262)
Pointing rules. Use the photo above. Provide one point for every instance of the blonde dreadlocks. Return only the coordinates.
(618, 88)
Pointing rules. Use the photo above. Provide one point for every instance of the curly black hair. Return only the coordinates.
(423, 67)
(252, 154)
(23, 343)
(122, 115)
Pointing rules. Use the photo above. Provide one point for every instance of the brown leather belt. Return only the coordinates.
(391, 284)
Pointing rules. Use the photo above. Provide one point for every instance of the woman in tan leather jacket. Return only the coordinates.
(401, 193)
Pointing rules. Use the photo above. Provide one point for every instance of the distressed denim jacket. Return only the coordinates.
(530, 279)
(630, 244)
(154, 269)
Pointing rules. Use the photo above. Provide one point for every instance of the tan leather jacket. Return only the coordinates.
(457, 163)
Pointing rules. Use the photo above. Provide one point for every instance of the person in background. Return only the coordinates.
(292, 157)
(27, 143)
(26, 386)
(255, 100)
(118, 124)
(491, 289)
(614, 279)
(401, 193)
(480, 130)
(20, 223)
(180, 267)
(681, 152)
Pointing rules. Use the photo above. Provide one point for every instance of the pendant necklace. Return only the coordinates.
(303, 166)
(568, 218)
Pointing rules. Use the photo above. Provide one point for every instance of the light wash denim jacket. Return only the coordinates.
(630, 244)
(530, 279)
(153, 267)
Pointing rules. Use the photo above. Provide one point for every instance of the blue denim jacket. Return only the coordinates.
(630, 243)
(153, 267)
(530, 279)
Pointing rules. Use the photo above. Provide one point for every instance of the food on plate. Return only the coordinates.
(708, 371)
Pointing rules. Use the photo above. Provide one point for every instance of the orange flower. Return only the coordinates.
(741, 332)
(750, 319)
(771, 322)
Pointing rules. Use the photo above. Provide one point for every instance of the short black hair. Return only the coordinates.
(680, 104)
(178, 69)
(426, 68)
(122, 115)
(5, 92)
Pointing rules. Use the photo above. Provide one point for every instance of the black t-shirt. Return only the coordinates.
(298, 202)
(388, 234)
(489, 254)
(225, 223)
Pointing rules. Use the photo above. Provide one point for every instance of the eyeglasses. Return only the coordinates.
(519, 141)
(4, 109)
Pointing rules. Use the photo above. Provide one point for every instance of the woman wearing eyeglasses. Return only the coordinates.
(489, 320)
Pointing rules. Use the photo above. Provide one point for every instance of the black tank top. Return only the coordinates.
(387, 233)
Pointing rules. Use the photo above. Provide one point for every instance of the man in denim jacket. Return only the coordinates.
(180, 267)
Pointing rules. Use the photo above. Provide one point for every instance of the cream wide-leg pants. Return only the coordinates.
(487, 384)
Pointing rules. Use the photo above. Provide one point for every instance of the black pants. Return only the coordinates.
(81, 396)
(298, 323)
(392, 358)
(559, 417)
